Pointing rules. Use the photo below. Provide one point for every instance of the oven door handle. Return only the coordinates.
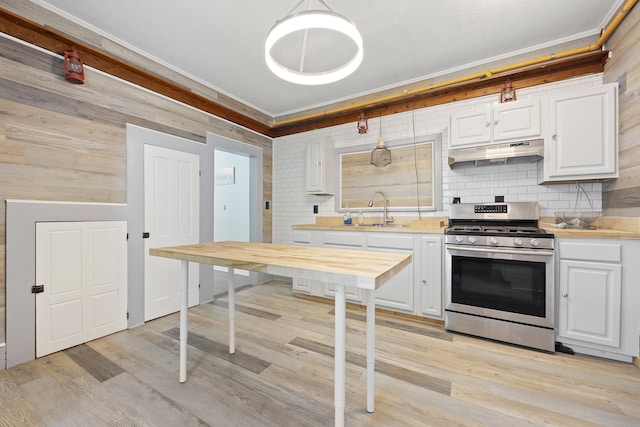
(488, 251)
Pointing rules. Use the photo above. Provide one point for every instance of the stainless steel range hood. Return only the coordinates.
(499, 154)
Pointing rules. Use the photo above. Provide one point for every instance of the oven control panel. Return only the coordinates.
(508, 211)
(484, 209)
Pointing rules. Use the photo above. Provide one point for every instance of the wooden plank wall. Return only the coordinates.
(67, 142)
(42, 16)
(621, 197)
(397, 181)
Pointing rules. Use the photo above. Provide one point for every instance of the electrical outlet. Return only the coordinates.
(315, 209)
(622, 84)
(266, 205)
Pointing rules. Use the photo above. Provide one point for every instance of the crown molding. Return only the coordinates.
(57, 42)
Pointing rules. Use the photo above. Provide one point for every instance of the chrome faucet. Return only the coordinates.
(385, 218)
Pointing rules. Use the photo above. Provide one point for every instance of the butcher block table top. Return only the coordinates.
(363, 269)
(343, 267)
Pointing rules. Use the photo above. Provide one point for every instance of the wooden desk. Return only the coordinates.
(343, 267)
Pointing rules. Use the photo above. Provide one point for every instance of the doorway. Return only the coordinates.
(237, 201)
(137, 138)
(231, 210)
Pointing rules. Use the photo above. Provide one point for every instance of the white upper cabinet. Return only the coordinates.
(583, 140)
(517, 120)
(320, 167)
(471, 128)
(510, 121)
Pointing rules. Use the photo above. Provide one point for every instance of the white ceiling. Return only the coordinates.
(221, 42)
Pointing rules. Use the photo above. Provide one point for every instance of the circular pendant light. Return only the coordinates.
(306, 20)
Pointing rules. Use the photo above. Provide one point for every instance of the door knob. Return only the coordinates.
(564, 294)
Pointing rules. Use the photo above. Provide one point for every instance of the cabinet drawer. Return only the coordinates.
(392, 242)
(597, 252)
(341, 238)
(301, 237)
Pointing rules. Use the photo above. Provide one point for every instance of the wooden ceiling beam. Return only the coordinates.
(57, 42)
(54, 41)
(554, 71)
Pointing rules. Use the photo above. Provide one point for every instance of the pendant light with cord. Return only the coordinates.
(380, 156)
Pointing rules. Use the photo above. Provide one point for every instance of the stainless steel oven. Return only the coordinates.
(499, 274)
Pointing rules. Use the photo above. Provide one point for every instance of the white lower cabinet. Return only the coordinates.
(343, 240)
(302, 238)
(430, 282)
(301, 285)
(417, 289)
(398, 293)
(590, 300)
(597, 297)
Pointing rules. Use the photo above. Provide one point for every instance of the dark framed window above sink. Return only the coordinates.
(412, 181)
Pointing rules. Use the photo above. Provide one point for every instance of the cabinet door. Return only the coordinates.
(302, 238)
(397, 293)
(343, 240)
(320, 167)
(517, 120)
(83, 268)
(471, 128)
(301, 285)
(583, 135)
(431, 276)
(590, 301)
(314, 166)
(352, 293)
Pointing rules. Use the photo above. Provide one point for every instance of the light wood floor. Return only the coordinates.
(282, 375)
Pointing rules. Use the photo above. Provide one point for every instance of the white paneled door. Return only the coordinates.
(82, 267)
(171, 218)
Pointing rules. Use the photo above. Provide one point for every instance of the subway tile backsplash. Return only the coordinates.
(516, 182)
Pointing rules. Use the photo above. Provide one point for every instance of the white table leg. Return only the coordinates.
(340, 355)
(371, 347)
(231, 290)
(184, 332)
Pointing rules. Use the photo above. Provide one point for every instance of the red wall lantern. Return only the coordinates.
(508, 92)
(362, 123)
(73, 68)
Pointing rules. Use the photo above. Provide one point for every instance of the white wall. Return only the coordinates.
(474, 185)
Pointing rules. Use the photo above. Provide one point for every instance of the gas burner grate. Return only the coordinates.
(524, 230)
(466, 228)
(493, 229)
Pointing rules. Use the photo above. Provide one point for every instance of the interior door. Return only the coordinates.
(171, 218)
(82, 267)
